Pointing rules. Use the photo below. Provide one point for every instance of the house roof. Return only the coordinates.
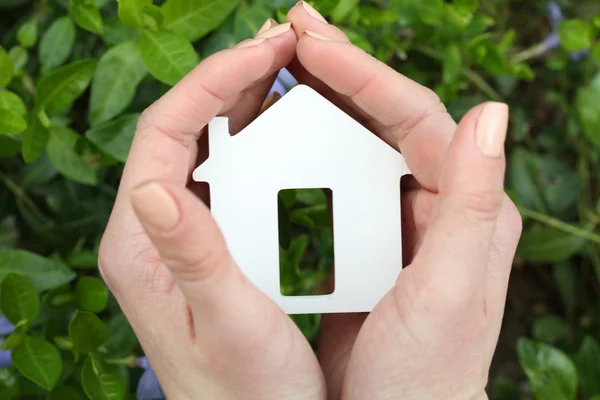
(302, 121)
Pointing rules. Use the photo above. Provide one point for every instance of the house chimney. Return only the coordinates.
(218, 133)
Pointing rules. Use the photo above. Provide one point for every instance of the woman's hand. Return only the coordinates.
(433, 335)
(207, 331)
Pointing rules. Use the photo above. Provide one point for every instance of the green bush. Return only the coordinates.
(75, 75)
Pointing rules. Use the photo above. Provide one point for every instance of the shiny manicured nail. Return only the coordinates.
(316, 35)
(155, 207)
(492, 125)
(266, 26)
(312, 12)
(275, 31)
(250, 43)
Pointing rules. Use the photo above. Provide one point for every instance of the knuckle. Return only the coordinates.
(198, 265)
(477, 207)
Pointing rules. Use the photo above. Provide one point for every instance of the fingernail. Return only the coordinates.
(266, 26)
(155, 207)
(275, 31)
(490, 133)
(312, 12)
(250, 43)
(316, 35)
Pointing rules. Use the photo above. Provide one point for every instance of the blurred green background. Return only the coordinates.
(75, 75)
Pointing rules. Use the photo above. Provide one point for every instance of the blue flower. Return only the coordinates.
(148, 386)
(284, 82)
(6, 328)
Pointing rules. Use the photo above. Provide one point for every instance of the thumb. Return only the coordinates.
(191, 245)
(456, 247)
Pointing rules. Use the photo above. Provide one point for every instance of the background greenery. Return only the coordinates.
(74, 76)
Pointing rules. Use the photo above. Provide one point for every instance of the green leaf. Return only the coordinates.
(548, 245)
(342, 10)
(9, 384)
(86, 15)
(87, 332)
(131, 12)
(57, 43)
(575, 35)
(565, 276)
(91, 294)
(63, 86)
(19, 302)
(452, 63)
(431, 12)
(19, 56)
(549, 329)
(119, 72)
(27, 33)
(38, 361)
(168, 56)
(43, 273)
(195, 18)
(595, 52)
(9, 147)
(35, 138)
(7, 68)
(249, 19)
(588, 108)
(114, 137)
(466, 6)
(551, 373)
(121, 338)
(9, 101)
(16, 336)
(104, 385)
(116, 32)
(62, 154)
(11, 123)
(505, 389)
(587, 360)
(521, 179)
(63, 393)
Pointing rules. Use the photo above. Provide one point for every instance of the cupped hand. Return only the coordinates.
(207, 331)
(433, 335)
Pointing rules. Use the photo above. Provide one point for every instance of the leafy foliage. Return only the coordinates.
(75, 76)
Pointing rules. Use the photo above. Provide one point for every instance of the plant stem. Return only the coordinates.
(471, 75)
(558, 224)
(20, 193)
(129, 361)
(529, 53)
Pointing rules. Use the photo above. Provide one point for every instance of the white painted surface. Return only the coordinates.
(304, 141)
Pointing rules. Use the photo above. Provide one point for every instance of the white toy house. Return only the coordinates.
(304, 141)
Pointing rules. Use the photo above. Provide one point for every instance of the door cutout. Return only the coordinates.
(306, 255)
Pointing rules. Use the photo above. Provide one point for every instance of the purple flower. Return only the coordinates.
(4, 357)
(6, 328)
(148, 386)
(552, 41)
(284, 82)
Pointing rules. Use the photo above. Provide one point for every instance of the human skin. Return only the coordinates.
(210, 334)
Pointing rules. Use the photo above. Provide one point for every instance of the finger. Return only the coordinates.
(168, 129)
(405, 114)
(191, 245)
(164, 148)
(456, 248)
(234, 324)
(305, 17)
(247, 107)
